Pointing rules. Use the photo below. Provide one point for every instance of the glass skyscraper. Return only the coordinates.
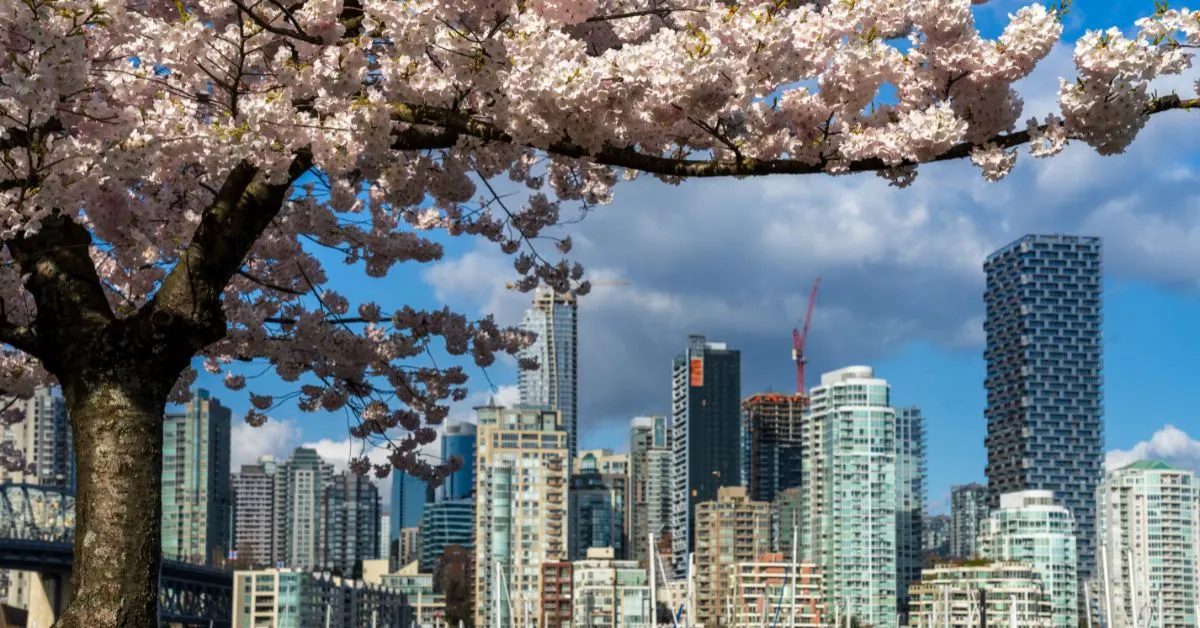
(409, 494)
(706, 395)
(554, 318)
(197, 506)
(910, 501)
(458, 440)
(1044, 412)
(848, 522)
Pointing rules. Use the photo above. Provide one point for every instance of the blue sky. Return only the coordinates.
(902, 284)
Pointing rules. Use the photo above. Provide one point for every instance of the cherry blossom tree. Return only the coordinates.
(169, 167)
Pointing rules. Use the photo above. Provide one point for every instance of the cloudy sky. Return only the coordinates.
(901, 290)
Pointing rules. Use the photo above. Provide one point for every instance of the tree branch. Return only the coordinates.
(190, 296)
(454, 124)
(65, 285)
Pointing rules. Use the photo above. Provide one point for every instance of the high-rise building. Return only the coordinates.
(554, 318)
(385, 533)
(1150, 524)
(731, 529)
(597, 512)
(256, 529)
(353, 522)
(447, 522)
(458, 441)
(772, 448)
(43, 438)
(935, 534)
(706, 394)
(849, 524)
(197, 511)
(968, 509)
(409, 494)
(787, 513)
(521, 474)
(650, 461)
(910, 501)
(303, 505)
(1045, 428)
(601, 461)
(1030, 528)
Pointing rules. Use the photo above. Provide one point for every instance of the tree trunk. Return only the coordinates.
(117, 423)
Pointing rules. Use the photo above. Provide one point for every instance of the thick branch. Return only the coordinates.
(451, 125)
(190, 296)
(64, 284)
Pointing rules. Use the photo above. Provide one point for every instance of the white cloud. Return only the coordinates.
(1169, 444)
(275, 438)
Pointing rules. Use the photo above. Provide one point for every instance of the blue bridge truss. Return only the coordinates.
(37, 532)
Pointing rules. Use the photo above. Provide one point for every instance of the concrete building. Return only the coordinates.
(773, 591)
(599, 488)
(521, 474)
(43, 439)
(197, 509)
(848, 525)
(423, 606)
(554, 385)
(609, 593)
(968, 509)
(729, 530)
(1009, 594)
(601, 461)
(290, 598)
(1150, 546)
(446, 523)
(910, 501)
(557, 594)
(353, 522)
(458, 441)
(650, 461)
(303, 503)
(706, 395)
(772, 423)
(1030, 528)
(935, 535)
(786, 514)
(408, 546)
(1045, 425)
(257, 530)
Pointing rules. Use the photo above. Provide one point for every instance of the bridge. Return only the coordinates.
(37, 532)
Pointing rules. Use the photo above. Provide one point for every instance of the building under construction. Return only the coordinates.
(771, 447)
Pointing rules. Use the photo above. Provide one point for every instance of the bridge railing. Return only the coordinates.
(29, 512)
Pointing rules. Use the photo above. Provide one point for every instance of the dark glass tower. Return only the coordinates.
(706, 394)
(1045, 426)
(458, 440)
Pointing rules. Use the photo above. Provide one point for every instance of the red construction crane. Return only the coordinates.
(800, 337)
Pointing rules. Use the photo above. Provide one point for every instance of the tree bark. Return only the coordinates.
(117, 424)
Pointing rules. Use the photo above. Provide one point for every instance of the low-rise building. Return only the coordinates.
(423, 604)
(609, 593)
(771, 592)
(290, 598)
(980, 593)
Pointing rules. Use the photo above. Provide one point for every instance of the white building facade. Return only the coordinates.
(1149, 537)
(1030, 528)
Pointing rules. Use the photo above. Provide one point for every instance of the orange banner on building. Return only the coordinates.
(697, 372)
